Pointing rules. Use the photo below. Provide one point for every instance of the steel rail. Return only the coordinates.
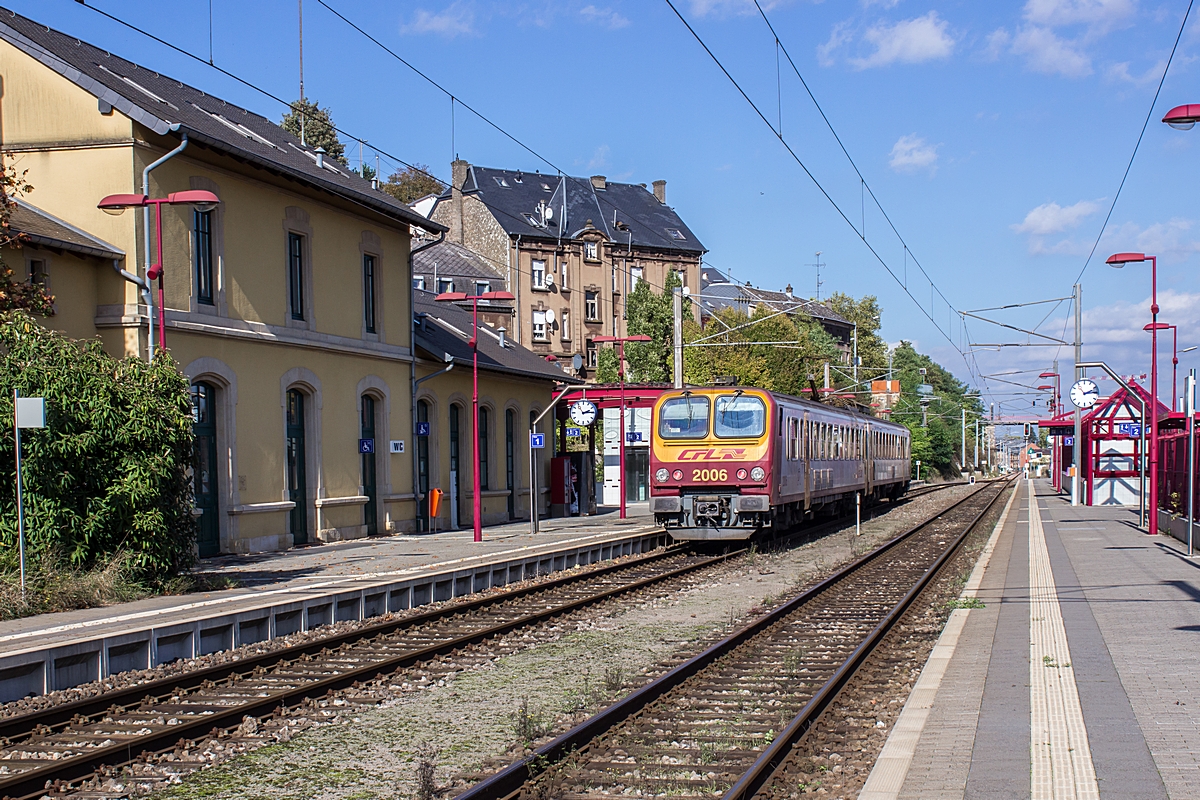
(762, 771)
(509, 781)
(32, 783)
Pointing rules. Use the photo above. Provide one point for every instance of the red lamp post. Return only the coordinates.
(1183, 117)
(1118, 261)
(476, 495)
(620, 343)
(117, 203)
(1053, 389)
(1056, 405)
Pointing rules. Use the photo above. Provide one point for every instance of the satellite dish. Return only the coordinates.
(686, 291)
(577, 362)
(550, 316)
(549, 212)
(549, 285)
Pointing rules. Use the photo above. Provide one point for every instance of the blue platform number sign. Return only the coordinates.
(537, 441)
(633, 436)
(422, 429)
(1129, 429)
(574, 432)
(1069, 440)
(366, 445)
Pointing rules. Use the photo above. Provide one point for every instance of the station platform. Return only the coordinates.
(300, 589)
(1078, 677)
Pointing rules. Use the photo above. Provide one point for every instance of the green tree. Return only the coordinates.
(939, 420)
(110, 474)
(768, 350)
(650, 313)
(606, 366)
(871, 347)
(412, 184)
(16, 294)
(318, 128)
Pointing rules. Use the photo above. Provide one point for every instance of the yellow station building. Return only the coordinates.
(289, 304)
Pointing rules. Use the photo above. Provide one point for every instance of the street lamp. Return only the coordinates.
(620, 341)
(476, 495)
(1118, 261)
(116, 204)
(1182, 118)
(1054, 452)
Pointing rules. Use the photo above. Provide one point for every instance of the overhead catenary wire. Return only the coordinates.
(758, 111)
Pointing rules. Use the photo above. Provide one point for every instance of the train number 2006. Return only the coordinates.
(710, 475)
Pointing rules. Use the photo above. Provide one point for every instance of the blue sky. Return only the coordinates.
(994, 134)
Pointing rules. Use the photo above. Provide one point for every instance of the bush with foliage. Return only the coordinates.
(110, 474)
(316, 125)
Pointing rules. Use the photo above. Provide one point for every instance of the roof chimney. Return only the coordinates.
(599, 182)
(788, 291)
(458, 178)
(660, 191)
(320, 151)
(502, 331)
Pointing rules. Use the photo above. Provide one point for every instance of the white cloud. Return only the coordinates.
(911, 153)
(457, 19)
(1099, 16)
(838, 36)
(1046, 52)
(909, 41)
(1119, 73)
(599, 159)
(605, 17)
(1051, 218)
(720, 8)
(997, 42)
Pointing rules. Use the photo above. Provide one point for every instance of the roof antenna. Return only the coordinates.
(302, 115)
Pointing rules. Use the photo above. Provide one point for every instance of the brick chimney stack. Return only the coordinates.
(458, 177)
(599, 182)
(660, 191)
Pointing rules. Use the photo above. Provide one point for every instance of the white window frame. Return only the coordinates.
(537, 274)
(635, 276)
(591, 251)
(419, 282)
(590, 300)
(541, 332)
(486, 287)
(565, 326)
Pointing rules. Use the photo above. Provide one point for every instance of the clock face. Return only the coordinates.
(583, 412)
(1085, 393)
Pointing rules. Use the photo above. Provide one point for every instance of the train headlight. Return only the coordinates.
(661, 475)
(757, 474)
(741, 473)
(677, 474)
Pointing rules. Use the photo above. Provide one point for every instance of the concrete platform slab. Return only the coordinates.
(298, 590)
(1078, 603)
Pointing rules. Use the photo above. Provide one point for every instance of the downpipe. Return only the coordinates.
(148, 295)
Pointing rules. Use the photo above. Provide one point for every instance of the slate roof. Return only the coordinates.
(718, 291)
(48, 230)
(452, 260)
(167, 106)
(514, 196)
(447, 329)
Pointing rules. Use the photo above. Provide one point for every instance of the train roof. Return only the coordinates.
(801, 401)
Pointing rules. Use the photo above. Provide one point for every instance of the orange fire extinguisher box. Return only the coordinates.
(435, 501)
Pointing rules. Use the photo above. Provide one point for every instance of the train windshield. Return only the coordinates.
(683, 418)
(739, 416)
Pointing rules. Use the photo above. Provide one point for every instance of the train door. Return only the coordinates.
(868, 455)
(806, 454)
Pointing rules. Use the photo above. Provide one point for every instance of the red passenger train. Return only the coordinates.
(727, 462)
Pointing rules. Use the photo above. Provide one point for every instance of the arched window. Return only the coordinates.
(297, 476)
(369, 466)
(483, 450)
(204, 479)
(422, 468)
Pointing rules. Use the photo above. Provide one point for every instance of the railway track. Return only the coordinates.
(722, 722)
(50, 749)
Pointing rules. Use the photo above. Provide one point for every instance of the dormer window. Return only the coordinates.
(591, 251)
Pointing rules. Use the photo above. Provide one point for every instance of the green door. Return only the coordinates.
(204, 478)
(371, 509)
(510, 466)
(297, 478)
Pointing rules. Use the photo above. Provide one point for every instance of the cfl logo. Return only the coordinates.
(713, 454)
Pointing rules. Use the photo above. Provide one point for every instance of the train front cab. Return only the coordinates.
(710, 462)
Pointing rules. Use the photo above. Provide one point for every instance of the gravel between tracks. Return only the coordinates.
(483, 708)
(836, 755)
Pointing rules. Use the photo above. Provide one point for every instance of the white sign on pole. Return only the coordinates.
(31, 412)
